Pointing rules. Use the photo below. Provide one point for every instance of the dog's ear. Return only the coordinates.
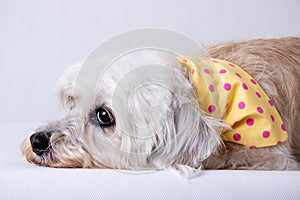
(189, 136)
(65, 88)
(198, 136)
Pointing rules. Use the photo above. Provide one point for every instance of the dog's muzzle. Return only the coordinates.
(40, 142)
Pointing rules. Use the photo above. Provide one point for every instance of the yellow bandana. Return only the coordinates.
(226, 91)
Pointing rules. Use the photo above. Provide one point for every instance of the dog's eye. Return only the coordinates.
(104, 117)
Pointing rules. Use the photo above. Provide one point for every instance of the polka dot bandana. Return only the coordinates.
(226, 91)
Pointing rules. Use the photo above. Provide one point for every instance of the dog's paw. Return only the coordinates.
(185, 170)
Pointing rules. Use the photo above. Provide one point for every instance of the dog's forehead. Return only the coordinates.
(115, 83)
(132, 71)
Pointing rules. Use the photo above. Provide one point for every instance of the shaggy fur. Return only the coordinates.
(158, 123)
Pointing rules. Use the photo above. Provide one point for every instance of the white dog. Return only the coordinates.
(150, 111)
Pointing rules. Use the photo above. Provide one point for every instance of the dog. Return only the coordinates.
(145, 118)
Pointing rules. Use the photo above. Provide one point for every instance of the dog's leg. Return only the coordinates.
(234, 156)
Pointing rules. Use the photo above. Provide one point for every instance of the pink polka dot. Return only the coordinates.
(211, 108)
(279, 142)
(253, 81)
(250, 121)
(271, 103)
(236, 123)
(222, 71)
(258, 95)
(193, 71)
(241, 105)
(232, 65)
(206, 71)
(260, 110)
(266, 134)
(211, 88)
(245, 87)
(227, 86)
(215, 61)
(272, 118)
(184, 60)
(253, 147)
(238, 75)
(283, 127)
(237, 137)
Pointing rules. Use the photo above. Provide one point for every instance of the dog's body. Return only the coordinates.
(275, 65)
(161, 128)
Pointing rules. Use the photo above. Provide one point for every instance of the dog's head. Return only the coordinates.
(135, 116)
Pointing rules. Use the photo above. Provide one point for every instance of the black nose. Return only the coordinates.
(40, 142)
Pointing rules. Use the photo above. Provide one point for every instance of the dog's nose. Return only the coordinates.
(40, 142)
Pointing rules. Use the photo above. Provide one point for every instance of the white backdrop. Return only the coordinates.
(39, 39)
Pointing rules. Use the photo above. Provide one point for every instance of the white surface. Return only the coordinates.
(21, 180)
(39, 39)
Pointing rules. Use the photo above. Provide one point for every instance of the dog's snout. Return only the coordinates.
(40, 142)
